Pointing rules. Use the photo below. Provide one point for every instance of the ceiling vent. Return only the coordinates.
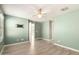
(64, 9)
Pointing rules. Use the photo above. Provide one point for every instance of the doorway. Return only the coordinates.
(32, 33)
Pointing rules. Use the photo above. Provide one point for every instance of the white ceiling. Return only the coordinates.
(29, 10)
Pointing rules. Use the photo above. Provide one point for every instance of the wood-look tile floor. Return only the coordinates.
(41, 47)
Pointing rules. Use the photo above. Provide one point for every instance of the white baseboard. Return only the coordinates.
(16, 43)
(38, 38)
(46, 39)
(11, 45)
(50, 40)
(62, 46)
(66, 47)
(43, 39)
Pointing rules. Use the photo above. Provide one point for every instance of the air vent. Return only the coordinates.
(64, 9)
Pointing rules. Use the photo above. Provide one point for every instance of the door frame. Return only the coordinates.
(28, 27)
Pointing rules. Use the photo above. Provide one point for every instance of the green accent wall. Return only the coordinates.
(45, 30)
(14, 34)
(66, 29)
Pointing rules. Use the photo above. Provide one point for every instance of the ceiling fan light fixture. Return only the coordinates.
(39, 15)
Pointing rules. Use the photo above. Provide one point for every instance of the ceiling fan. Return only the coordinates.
(40, 13)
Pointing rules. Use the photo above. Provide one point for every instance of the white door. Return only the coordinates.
(32, 33)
